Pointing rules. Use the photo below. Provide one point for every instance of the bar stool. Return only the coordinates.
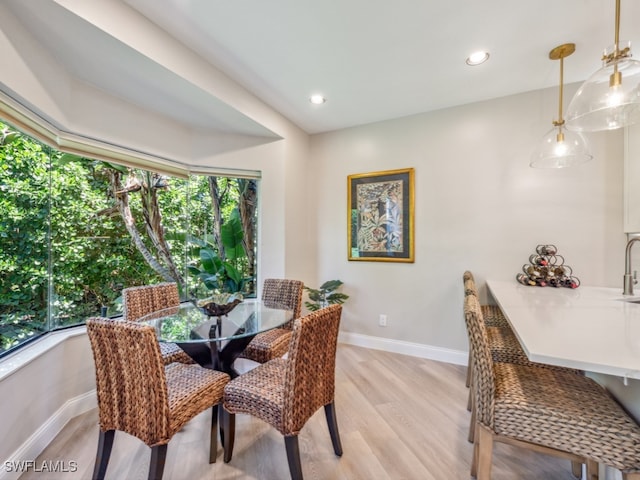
(503, 345)
(550, 411)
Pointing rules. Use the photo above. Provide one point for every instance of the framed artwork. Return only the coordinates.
(380, 216)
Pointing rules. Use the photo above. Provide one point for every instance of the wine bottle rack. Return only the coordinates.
(547, 268)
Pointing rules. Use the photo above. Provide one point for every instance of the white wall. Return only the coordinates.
(55, 382)
(479, 206)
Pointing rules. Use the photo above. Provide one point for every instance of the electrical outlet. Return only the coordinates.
(382, 321)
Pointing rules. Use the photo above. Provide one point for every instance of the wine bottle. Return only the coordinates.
(524, 279)
(538, 260)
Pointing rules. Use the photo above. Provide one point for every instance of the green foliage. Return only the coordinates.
(216, 274)
(50, 235)
(325, 295)
(64, 248)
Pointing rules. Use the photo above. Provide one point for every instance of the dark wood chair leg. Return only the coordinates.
(213, 441)
(229, 428)
(158, 457)
(330, 413)
(105, 442)
(221, 424)
(293, 456)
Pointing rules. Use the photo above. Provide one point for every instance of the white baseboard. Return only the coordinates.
(42, 437)
(440, 354)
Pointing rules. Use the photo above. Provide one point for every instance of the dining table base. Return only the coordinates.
(216, 357)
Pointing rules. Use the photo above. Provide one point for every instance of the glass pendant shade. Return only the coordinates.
(561, 148)
(609, 99)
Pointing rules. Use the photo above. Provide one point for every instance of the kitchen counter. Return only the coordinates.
(595, 329)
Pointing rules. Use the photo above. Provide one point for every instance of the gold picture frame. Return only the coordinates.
(380, 216)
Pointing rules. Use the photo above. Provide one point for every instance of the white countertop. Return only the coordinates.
(589, 328)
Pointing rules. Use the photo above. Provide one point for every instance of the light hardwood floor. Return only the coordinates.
(400, 417)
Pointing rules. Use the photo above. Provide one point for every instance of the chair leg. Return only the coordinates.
(474, 457)
(221, 424)
(472, 424)
(468, 381)
(293, 456)
(229, 429)
(330, 413)
(485, 451)
(593, 472)
(158, 457)
(105, 442)
(576, 469)
(213, 441)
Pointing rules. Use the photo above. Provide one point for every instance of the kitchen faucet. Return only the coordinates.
(629, 279)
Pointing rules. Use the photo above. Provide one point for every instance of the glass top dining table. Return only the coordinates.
(216, 341)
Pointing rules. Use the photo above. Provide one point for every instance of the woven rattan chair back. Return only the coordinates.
(279, 292)
(144, 300)
(130, 380)
(469, 284)
(140, 395)
(310, 380)
(286, 392)
(140, 301)
(276, 293)
(483, 379)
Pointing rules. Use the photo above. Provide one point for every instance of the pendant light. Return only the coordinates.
(610, 98)
(560, 147)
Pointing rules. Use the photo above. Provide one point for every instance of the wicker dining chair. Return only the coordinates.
(550, 411)
(285, 393)
(278, 293)
(143, 300)
(140, 395)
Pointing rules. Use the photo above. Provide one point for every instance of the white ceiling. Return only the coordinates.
(373, 59)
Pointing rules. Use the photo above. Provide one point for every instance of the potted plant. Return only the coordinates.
(325, 295)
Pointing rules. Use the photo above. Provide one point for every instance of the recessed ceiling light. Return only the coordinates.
(317, 99)
(476, 58)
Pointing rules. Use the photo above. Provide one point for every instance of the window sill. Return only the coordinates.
(25, 355)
